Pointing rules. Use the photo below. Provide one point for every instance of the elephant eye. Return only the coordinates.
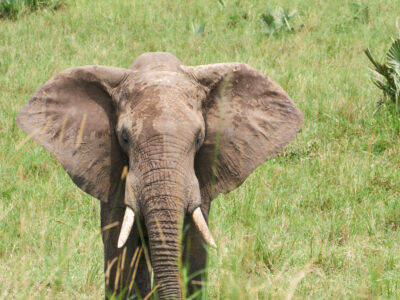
(124, 137)
(199, 139)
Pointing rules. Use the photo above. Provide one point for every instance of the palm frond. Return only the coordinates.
(393, 56)
(386, 76)
(380, 68)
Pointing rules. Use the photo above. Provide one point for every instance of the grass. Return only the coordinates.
(320, 221)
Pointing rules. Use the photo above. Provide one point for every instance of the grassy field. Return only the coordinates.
(320, 221)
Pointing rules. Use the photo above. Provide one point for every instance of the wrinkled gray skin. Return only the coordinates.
(185, 135)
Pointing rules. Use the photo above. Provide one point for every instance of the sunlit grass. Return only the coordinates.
(321, 220)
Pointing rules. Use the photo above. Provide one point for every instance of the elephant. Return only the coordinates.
(156, 143)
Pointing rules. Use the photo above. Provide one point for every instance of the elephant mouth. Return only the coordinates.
(197, 216)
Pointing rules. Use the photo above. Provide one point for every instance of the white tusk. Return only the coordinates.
(126, 227)
(201, 225)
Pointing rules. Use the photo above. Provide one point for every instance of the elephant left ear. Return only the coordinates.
(249, 118)
(73, 116)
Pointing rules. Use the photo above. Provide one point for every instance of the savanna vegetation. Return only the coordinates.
(319, 221)
(15, 8)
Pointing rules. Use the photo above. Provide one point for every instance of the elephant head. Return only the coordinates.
(162, 139)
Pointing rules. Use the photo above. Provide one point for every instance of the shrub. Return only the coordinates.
(278, 20)
(13, 8)
(386, 76)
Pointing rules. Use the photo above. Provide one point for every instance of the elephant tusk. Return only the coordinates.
(126, 227)
(202, 227)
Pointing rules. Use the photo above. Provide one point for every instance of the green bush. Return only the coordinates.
(386, 76)
(13, 8)
(277, 20)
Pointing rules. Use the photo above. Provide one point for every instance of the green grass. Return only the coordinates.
(320, 221)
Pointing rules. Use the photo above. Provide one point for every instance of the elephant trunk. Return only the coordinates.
(163, 210)
(163, 232)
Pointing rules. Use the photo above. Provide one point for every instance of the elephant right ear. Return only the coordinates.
(73, 116)
(249, 118)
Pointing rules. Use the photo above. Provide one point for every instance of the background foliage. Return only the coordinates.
(14, 8)
(322, 220)
(386, 76)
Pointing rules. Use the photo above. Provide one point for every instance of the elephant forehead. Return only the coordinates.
(169, 117)
(170, 120)
(157, 114)
(160, 86)
(161, 103)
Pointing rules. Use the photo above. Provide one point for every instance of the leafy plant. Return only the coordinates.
(277, 20)
(235, 19)
(12, 8)
(9, 8)
(198, 28)
(386, 76)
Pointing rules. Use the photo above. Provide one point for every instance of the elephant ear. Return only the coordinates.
(249, 118)
(73, 116)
